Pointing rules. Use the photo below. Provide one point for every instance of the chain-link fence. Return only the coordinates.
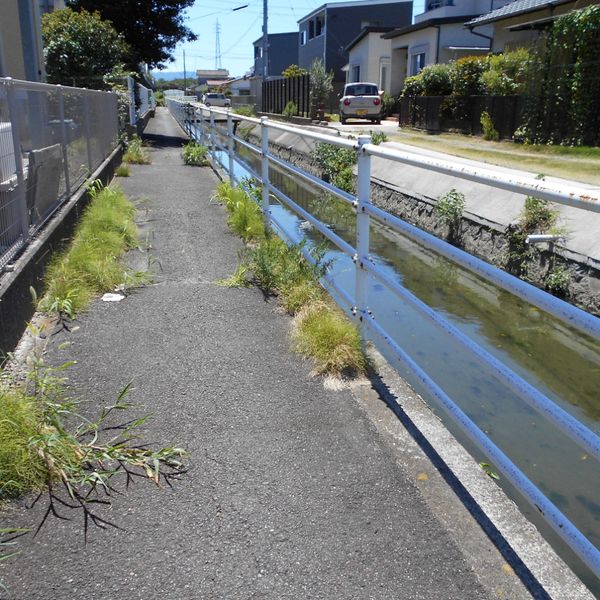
(51, 139)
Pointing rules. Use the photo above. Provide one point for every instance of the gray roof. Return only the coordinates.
(515, 8)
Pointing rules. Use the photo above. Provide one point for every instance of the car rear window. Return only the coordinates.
(362, 90)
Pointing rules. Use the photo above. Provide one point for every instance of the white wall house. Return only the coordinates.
(369, 58)
(438, 36)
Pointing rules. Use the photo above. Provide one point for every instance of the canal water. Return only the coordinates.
(561, 362)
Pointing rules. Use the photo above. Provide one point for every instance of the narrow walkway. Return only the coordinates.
(292, 493)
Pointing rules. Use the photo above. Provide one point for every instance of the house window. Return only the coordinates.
(257, 52)
(303, 38)
(311, 30)
(418, 62)
(319, 25)
(356, 73)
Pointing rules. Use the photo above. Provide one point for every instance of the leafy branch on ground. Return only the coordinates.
(195, 154)
(91, 264)
(47, 446)
(136, 153)
(291, 274)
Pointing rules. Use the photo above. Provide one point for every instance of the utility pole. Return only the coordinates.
(218, 64)
(264, 40)
(184, 75)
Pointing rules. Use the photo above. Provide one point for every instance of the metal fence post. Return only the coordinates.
(65, 141)
(86, 125)
(230, 146)
(264, 136)
(16, 138)
(362, 231)
(131, 91)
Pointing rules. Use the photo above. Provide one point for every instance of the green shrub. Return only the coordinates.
(378, 137)
(557, 280)
(537, 215)
(324, 334)
(336, 163)
(413, 87)
(195, 154)
(450, 206)
(507, 73)
(245, 110)
(290, 110)
(390, 104)
(466, 76)
(136, 154)
(435, 80)
(490, 133)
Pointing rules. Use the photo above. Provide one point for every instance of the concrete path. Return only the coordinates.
(292, 492)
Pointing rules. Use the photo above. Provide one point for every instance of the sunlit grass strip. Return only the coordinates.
(320, 331)
(92, 263)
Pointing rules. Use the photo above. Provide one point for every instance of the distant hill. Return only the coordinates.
(170, 75)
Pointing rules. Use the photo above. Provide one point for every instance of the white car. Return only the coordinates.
(214, 99)
(360, 101)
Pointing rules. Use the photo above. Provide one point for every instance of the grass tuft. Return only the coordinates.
(136, 154)
(123, 171)
(195, 155)
(323, 333)
(245, 216)
(91, 265)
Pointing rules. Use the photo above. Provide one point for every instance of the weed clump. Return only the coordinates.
(324, 334)
(321, 331)
(123, 171)
(195, 155)
(91, 264)
(136, 154)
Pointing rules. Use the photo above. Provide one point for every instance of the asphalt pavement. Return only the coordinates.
(291, 493)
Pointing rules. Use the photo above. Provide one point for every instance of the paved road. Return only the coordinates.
(292, 493)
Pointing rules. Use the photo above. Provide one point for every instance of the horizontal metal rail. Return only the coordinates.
(570, 196)
(327, 187)
(553, 516)
(359, 308)
(559, 308)
(561, 418)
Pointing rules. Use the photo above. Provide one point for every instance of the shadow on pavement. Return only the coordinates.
(157, 140)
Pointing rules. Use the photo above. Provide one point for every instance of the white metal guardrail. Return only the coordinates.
(51, 139)
(206, 126)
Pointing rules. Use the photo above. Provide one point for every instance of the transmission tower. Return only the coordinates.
(218, 64)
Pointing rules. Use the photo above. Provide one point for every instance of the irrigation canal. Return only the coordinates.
(560, 361)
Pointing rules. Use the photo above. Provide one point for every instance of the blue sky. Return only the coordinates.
(238, 29)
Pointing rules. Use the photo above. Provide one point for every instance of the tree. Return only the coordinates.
(80, 48)
(151, 28)
(321, 84)
(294, 71)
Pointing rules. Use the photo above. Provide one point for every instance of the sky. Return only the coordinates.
(238, 29)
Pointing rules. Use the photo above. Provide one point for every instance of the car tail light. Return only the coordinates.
(376, 101)
(347, 102)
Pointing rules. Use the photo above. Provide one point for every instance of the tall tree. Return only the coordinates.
(80, 48)
(151, 28)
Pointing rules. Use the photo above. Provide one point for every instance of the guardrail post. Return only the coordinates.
(230, 146)
(264, 137)
(65, 141)
(362, 231)
(16, 138)
(213, 140)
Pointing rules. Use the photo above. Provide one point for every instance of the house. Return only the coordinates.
(521, 22)
(438, 35)
(238, 86)
(21, 48)
(282, 51)
(369, 58)
(214, 77)
(326, 32)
